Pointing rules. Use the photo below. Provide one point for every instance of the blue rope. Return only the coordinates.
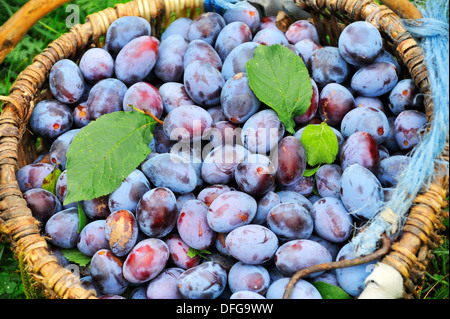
(432, 33)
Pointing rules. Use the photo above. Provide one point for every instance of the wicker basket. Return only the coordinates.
(409, 255)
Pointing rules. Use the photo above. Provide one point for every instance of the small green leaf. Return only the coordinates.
(50, 180)
(320, 143)
(10, 287)
(280, 79)
(310, 171)
(315, 191)
(198, 252)
(82, 218)
(76, 256)
(329, 291)
(106, 151)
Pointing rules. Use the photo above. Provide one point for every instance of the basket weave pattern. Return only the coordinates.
(17, 145)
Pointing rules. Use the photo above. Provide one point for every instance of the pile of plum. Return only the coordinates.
(224, 222)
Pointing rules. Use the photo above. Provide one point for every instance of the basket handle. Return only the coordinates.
(403, 8)
(13, 30)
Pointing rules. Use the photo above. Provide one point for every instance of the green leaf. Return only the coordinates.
(320, 143)
(76, 256)
(280, 79)
(310, 171)
(329, 291)
(198, 252)
(50, 180)
(82, 218)
(106, 151)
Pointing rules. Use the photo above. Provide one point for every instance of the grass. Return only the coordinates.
(40, 35)
(14, 282)
(436, 282)
(11, 286)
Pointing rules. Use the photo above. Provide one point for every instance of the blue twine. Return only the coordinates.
(432, 33)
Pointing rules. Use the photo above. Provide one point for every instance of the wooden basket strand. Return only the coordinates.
(330, 17)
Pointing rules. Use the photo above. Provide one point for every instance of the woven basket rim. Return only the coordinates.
(15, 217)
